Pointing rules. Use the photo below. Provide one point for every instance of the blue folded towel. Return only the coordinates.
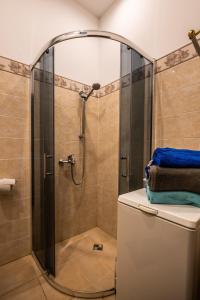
(178, 198)
(176, 158)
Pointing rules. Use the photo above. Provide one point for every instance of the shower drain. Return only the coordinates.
(98, 247)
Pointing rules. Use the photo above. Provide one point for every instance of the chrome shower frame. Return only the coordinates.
(90, 33)
(56, 40)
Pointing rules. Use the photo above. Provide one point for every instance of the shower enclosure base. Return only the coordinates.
(86, 272)
(81, 271)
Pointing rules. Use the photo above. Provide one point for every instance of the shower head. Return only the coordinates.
(96, 86)
(84, 96)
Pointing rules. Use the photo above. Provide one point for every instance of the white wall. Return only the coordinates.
(26, 25)
(88, 60)
(109, 61)
(174, 20)
(15, 29)
(157, 26)
(51, 18)
(78, 59)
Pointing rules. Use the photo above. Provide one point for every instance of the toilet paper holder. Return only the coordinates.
(7, 184)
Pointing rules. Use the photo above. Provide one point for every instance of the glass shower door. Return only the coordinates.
(43, 206)
(136, 86)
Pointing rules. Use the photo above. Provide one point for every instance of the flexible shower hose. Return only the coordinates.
(82, 137)
(83, 169)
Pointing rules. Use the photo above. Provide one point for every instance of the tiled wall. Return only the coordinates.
(108, 158)
(177, 106)
(75, 205)
(79, 208)
(15, 240)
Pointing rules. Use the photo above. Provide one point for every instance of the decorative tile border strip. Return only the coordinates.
(14, 67)
(108, 89)
(72, 85)
(76, 86)
(175, 58)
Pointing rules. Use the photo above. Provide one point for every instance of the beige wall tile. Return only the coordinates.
(75, 210)
(14, 209)
(67, 124)
(65, 98)
(107, 209)
(13, 127)
(14, 230)
(177, 106)
(14, 163)
(182, 126)
(187, 143)
(14, 148)
(92, 118)
(108, 160)
(181, 75)
(14, 249)
(12, 84)
(15, 168)
(15, 106)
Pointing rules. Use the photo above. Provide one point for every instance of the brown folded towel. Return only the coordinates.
(174, 179)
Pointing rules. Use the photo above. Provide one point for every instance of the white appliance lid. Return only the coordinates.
(185, 215)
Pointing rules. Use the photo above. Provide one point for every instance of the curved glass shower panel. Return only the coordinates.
(43, 220)
(135, 118)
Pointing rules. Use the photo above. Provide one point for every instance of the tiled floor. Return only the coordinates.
(22, 280)
(92, 271)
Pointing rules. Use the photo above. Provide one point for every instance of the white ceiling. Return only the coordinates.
(96, 7)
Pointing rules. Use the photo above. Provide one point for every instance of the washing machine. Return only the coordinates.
(158, 250)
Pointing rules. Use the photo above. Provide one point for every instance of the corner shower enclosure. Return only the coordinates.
(77, 253)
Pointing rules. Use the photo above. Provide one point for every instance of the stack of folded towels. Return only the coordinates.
(173, 177)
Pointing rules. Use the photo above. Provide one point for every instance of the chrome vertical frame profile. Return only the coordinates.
(90, 33)
(59, 39)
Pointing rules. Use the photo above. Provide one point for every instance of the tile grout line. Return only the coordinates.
(43, 291)
(20, 285)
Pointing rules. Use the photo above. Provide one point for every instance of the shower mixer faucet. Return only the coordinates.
(69, 160)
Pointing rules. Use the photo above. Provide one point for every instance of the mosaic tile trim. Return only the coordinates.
(176, 57)
(108, 89)
(14, 67)
(72, 85)
(78, 86)
(18, 68)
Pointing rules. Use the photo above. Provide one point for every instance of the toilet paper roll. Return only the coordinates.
(5, 187)
(6, 184)
(5, 181)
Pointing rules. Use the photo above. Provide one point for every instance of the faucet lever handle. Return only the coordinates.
(69, 160)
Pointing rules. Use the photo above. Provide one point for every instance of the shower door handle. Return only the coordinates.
(125, 172)
(45, 172)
